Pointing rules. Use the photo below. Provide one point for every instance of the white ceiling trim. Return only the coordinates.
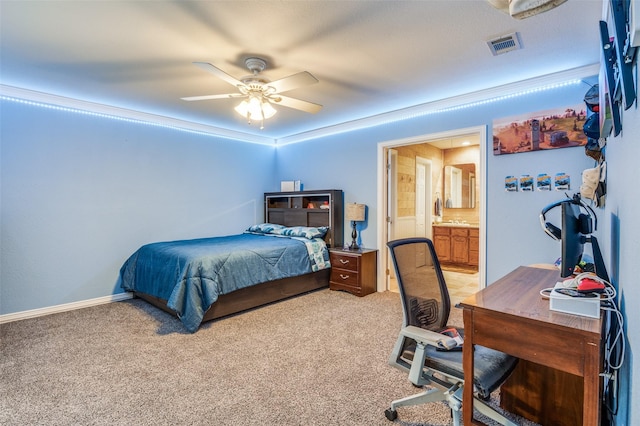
(470, 99)
(61, 102)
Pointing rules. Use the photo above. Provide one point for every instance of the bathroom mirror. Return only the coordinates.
(460, 186)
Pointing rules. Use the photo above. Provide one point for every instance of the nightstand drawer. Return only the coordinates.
(353, 270)
(344, 261)
(342, 276)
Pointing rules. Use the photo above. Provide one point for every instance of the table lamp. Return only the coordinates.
(355, 213)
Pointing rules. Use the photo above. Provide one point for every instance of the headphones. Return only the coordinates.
(584, 220)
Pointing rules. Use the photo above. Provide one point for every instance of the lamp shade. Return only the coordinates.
(355, 212)
(255, 109)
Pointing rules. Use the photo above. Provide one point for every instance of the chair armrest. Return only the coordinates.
(423, 338)
(427, 337)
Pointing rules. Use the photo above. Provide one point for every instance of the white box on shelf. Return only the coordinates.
(287, 185)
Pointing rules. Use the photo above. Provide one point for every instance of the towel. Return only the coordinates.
(438, 208)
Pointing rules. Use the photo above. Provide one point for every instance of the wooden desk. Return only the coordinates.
(512, 317)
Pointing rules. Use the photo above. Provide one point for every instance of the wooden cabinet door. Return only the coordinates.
(442, 244)
(459, 249)
(474, 247)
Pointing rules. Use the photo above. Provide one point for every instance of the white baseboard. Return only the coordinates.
(33, 313)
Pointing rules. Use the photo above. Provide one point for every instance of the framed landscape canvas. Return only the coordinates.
(535, 131)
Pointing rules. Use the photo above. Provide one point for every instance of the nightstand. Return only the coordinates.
(354, 270)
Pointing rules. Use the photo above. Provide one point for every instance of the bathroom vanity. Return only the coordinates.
(456, 243)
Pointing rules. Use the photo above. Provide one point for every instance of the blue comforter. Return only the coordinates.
(191, 274)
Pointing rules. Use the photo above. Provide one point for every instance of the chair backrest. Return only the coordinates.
(423, 290)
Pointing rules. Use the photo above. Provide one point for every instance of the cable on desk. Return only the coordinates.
(614, 347)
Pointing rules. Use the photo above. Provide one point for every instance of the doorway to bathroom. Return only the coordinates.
(434, 184)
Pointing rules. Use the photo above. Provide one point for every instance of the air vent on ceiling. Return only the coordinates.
(505, 44)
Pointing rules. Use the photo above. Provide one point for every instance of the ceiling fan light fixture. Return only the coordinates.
(255, 109)
(267, 110)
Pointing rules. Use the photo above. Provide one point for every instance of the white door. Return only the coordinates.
(392, 212)
(423, 204)
(421, 225)
(423, 197)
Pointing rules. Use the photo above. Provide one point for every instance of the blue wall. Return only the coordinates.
(81, 193)
(621, 240)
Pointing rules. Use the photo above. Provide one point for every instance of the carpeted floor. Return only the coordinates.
(318, 359)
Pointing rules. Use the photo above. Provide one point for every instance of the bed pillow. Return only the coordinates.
(304, 231)
(265, 228)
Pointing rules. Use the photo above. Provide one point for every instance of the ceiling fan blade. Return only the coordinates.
(206, 97)
(219, 73)
(294, 81)
(297, 104)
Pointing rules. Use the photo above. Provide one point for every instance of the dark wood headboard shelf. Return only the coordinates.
(313, 208)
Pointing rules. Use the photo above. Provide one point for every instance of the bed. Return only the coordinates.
(203, 279)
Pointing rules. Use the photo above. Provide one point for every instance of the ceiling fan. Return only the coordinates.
(258, 92)
(521, 9)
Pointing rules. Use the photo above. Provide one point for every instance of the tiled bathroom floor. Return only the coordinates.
(460, 285)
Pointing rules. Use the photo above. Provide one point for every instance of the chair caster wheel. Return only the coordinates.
(391, 414)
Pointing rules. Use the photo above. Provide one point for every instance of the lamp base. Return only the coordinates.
(354, 236)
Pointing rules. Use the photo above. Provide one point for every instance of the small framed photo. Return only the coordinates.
(511, 184)
(543, 183)
(526, 183)
(562, 182)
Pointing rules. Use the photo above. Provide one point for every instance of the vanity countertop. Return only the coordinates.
(457, 225)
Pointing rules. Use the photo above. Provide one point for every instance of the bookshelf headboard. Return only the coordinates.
(308, 208)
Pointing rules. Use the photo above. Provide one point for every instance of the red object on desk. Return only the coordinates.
(587, 284)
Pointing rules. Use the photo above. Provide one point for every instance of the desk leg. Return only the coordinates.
(467, 366)
(591, 405)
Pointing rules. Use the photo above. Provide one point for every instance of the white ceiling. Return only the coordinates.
(371, 57)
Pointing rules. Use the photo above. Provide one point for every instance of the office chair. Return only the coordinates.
(426, 306)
